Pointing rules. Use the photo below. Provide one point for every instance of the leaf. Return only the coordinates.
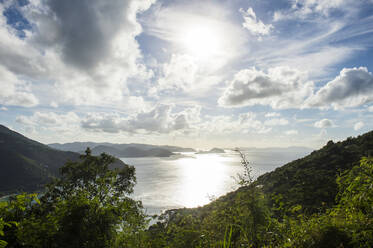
(3, 244)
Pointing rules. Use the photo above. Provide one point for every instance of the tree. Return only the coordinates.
(355, 202)
(87, 206)
(12, 213)
(246, 178)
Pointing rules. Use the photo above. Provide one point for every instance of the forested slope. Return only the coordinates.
(25, 165)
(311, 181)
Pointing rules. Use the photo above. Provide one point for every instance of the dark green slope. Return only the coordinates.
(26, 164)
(311, 181)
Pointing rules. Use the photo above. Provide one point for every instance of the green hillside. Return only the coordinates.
(27, 164)
(311, 181)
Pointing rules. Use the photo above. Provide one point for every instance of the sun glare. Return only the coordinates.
(202, 41)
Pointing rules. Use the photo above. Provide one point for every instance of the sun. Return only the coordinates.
(202, 41)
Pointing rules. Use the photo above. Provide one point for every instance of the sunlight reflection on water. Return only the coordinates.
(191, 180)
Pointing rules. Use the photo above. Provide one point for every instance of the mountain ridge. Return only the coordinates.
(120, 148)
(26, 165)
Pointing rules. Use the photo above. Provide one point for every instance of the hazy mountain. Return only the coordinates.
(131, 151)
(294, 149)
(213, 150)
(120, 149)
(76, 146)
(106, 149)
(177, 149)
(26, 164)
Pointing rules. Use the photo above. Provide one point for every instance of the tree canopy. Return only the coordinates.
(88, 206)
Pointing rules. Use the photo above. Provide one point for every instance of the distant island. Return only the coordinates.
(132, 152)
(213, 150)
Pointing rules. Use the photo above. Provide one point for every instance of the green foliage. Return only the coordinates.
(12, 213)
(348, 224)
(356, 188)
(3, 243)
(245, 178)
(355, 204)
(89, 206)
(311, 181)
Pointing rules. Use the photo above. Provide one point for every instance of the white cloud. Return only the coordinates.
(276, 122)
(55, 122)
(179, 74)
(324, 123)
(50, 119)
(160, 119)
(4, 108)
(184, 75)
(89, 67)
(272, 114)
(24, 120)
(245, 123)
(281, 87)
(358, 125)
(249, 123)
(14, 91)
(54, 104)
(254, 25)
(303, 9)
(353, 87)
(291, 132)
(370, 108)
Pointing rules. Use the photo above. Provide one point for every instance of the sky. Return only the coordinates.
(253, 73)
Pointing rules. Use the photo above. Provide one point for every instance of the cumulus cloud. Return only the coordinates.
(89, 67)
(179, 74)
(245, 123)
(280, 87)
(183, 74)
(254, 25)
(24, 120)
(272, 114)
(48, 118)
(276, 122)
(160, 119)
(14, 91)
(353, 87)
(102, 22)
(248, 123)
(57, 122)
(359, 125)
(324, 123)
(291, 132)
(283, 87)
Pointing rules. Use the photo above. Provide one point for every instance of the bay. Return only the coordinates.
(192, 180)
